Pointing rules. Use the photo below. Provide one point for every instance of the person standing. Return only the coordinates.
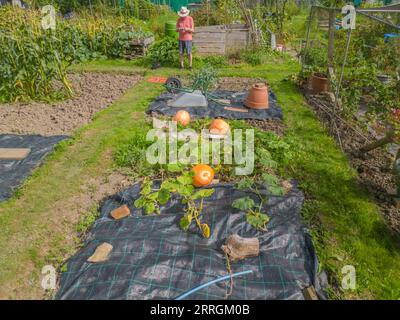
(185, 27)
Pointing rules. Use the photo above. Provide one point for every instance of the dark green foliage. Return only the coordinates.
(165, 52)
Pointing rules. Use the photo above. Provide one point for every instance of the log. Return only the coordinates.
(236, 109)
(238, 248)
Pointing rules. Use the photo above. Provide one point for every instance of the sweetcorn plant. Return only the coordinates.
(33, 59)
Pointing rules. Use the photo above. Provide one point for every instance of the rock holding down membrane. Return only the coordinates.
(238, 248)
(101, 254)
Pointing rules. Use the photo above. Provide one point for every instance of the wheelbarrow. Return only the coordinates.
(174, 86)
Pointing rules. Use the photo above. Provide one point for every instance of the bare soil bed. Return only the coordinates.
(93, 92)
(374, 168)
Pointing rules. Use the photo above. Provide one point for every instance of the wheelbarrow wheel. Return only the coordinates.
(173, 85)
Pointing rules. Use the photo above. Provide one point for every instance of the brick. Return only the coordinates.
(120, 212)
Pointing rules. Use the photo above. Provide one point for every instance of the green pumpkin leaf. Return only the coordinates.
(270, 179)
(153, 196)
(245, 184)
(140, 202)
(163, 196)
(185, 190)
(176, 167)
(170, 185)
(149, 208)
(185, 179)
(203, 193)
(146, 187)
(185, 222)
(243, 204)
(257, 220)
(276, 190)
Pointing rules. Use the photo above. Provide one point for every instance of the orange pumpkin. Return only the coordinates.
(203, 175)
(219, 126)
(182, 117)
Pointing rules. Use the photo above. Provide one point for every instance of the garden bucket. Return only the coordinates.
(319, 83)
(257, 97)
(170, 29)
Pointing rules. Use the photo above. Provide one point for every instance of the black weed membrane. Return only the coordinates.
(216, 110)
(12, 172)
(152, 258)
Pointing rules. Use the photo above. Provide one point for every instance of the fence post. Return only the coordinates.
(331, 43)
(310, 17)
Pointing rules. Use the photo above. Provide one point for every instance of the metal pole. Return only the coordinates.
(343, 65)
(379, 20)
(331, 43)
(307, 36)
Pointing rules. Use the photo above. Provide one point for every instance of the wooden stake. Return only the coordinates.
(310, 293)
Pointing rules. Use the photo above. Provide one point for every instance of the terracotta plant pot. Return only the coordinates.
(257, 97)
(319, 83)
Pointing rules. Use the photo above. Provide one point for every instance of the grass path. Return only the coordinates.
(346, 224)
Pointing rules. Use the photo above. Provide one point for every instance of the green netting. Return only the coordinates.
(176, 4)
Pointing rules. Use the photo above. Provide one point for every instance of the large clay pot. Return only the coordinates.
(257, 97)
(319, 83)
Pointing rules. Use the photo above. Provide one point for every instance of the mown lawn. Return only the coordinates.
(345, 223)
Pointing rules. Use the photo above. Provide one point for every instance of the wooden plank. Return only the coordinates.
(210, 53)
(14, 153)
(237, 35)
(195, 40)
(209, 31)
(310, 293)
(203, 51)
(237, 26)
(210, 28)
(209, 36)
(237, 109)
(209, 45)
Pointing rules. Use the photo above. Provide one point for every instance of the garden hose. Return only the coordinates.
(207, 284)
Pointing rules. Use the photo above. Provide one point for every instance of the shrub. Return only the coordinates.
(216, 61)
(164, 52)
(256, 57)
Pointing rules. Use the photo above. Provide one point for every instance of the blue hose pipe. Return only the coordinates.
(186, 294)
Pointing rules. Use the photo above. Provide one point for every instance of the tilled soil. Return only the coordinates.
(276, 126)
(374, 168)
(93, 92)
(237, 83)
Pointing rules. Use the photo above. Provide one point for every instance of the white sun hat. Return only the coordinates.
(184, 12)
